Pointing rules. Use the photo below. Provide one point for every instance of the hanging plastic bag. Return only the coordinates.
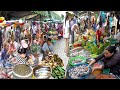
(97, 27)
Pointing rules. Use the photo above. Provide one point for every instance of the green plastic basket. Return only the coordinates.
(106, 71)
(70, 62)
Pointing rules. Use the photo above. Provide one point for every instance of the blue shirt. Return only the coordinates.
(4, 54)
(103, 16)
(46, 47)
(75, 20)
(95, 27)
(110, 20)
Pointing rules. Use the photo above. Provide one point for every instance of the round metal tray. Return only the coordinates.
(44, 72)
(80, 77)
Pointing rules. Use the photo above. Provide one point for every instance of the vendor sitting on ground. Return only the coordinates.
(24, 45)
(47, 47)
(5, 52)
(110, 59)
(22, 53)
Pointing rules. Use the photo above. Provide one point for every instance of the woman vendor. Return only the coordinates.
(24, 45)
(5, 52)
(99, 35)
(110, 59)
(47, 47)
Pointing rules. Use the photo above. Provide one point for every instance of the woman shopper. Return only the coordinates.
(66, 33)
(5, 52)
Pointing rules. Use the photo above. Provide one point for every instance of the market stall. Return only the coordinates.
(85, 48)
(29, 64)
(53, 34)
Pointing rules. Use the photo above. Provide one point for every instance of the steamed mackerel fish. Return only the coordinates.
(42, 73)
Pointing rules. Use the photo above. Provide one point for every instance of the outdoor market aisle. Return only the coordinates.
(59, 49)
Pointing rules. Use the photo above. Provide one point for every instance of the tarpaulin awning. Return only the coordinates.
(55, 16)
(43, 13)
(21, 14)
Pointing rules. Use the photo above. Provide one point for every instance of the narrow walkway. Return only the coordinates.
(59, 49)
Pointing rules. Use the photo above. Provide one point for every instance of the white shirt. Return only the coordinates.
(71, 23)
(118, 36)
(114, 21)
(72, 28)
(56, 25)
(16, 45)
(34, 29)
(66, 29)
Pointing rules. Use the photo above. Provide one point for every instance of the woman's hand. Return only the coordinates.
(95, 68)
(86, 68)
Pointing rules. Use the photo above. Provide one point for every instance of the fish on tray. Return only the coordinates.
(78, 72)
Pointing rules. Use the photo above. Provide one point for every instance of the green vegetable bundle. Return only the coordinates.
(93, 55)
(76, 58)
(112, 41)
(102, 47)
(90, 46)
(58, 72)
(35, 48)
(93, 48)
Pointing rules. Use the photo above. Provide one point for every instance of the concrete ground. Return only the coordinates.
(59, 48)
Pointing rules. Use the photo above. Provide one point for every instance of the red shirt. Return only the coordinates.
(61, 33)
(99, 34)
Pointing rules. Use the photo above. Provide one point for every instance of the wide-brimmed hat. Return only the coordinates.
(24, 44)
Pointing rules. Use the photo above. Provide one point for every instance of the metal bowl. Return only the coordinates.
(42, 72)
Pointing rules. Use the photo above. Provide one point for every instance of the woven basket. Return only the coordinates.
(29, 76)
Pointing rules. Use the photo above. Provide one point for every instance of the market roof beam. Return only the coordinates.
(21, 14)
(16, 14)
(82, 12)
